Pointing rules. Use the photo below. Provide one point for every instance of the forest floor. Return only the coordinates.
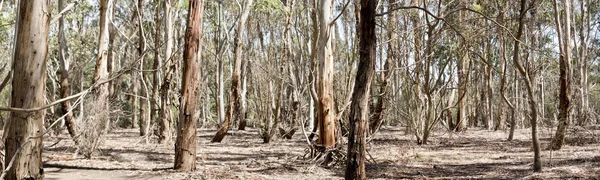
(474, 154)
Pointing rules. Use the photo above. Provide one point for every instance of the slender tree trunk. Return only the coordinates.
(462, 66)
(241, 104)
(565, 79)
(101, 72)
(489, 86)
(220, 93)
(359, 114)
(28, 88)
(185, 146)
(243, 101)
(461, 119)
(385, 73)
(314, 66)
(234, 109)
(529, 83)
(219, 72)
(144, 119)
(110, 64)
(156, 112)
(584, 36)
(500, 125)
(418, 93)
(164, 123)
(65, 89)
(287, 56)
(135, 102)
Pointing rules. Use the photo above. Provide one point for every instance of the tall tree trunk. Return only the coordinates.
(135, 102)
(359, 110)
(385, 73)
(234, 109)
(565, 79)
(110, 65)
(529, 83)
(501, 123)
(243, 99)
(28, 88)
(185, 145)
(65, 89)
(324, 50)
(489, 85)
(156, 112)
(418, 93)
(241, 114)
(219, 84)
(314, 68)
(461, 119)
(144, 118)
(101, 72)
(164, 123)
(287, 56)
(584, 36)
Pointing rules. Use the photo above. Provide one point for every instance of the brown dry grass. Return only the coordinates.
(475, 154)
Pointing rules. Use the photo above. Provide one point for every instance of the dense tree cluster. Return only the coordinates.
(337, 70)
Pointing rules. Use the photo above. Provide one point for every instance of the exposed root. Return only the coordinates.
(327, 157)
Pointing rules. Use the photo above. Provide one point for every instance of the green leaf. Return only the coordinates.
(477, 7)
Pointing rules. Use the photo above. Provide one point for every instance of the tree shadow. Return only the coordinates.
(236, 158)
(116, 155)
(395, 171)
(62, 167)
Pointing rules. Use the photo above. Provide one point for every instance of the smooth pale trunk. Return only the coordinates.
(324, 50)
(28, 88)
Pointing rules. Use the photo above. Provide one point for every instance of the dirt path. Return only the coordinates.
(242, 155)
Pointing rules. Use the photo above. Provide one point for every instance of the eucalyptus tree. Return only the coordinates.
(24, 129)
(565, 80)
(65, 87)
(185, 145)
(234, 110)
(530, 81)
(359, 110)
(324, 56)
(101, 72)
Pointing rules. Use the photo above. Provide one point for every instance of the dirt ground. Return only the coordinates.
(475, 154)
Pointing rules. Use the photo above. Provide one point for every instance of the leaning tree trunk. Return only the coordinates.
(564, 96)
(325, 104)
(529, 84)
(379, 112)
(234, 109)
(359, 110)
(185, 145)
(65, 89)
(28, 88)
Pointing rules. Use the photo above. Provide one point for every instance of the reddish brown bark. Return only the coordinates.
(185, 145)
